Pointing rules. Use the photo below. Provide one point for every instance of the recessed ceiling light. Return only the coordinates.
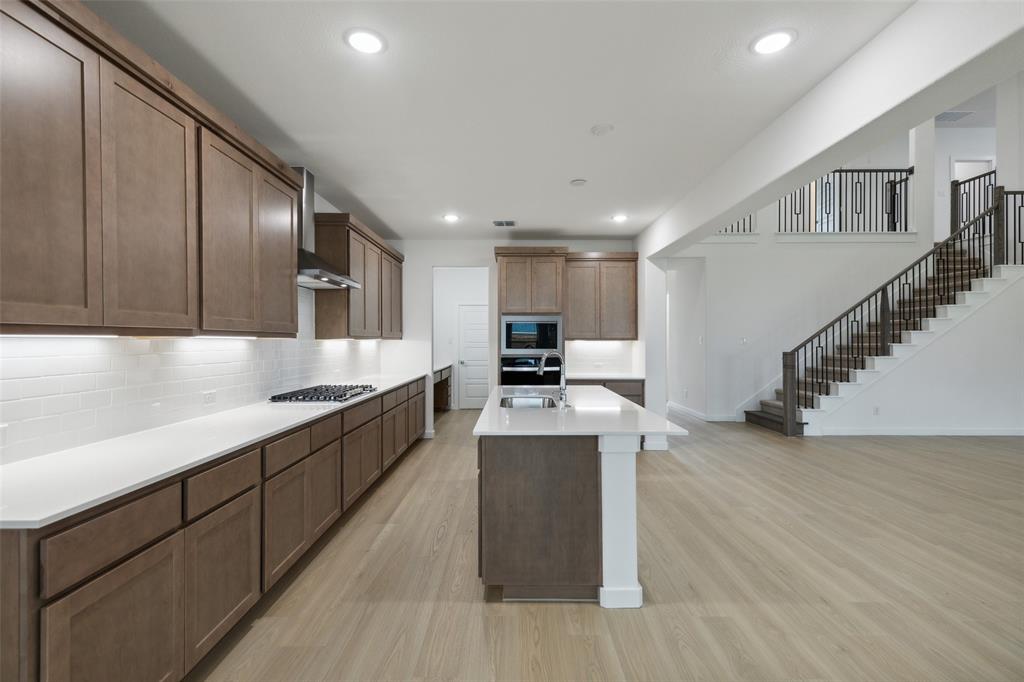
(451, 218)
(620, 217)
(601, 129)
(776, 41)
(578, 182)
(365, 41)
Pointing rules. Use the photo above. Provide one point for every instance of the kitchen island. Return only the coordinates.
(557, 492)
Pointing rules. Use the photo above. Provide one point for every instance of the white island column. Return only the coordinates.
(621, 588)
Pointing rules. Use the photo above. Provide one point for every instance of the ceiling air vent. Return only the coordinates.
(504, 223)
(952, 116)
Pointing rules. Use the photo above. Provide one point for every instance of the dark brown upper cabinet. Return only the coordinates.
(249, 223)
(373, 311)
(530, 279)
(110, 217)
(50, 263)
(150, 254)
(230, 237)
(601, 296)
(390, 298)
(278, 228)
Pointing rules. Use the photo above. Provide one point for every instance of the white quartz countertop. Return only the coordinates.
(592, 411)
(38, 491)
(438, 368)
(605, 376)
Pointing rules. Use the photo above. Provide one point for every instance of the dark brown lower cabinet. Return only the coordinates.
(222, 572)
(323, 469)
(124, 625)
(285, 521)
(540, 511)
(417, 416)
(402, 439)
(361, 460)
(388, 444)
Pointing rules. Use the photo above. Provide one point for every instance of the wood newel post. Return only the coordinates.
(884, 322)
(999, 227)
(789, 393)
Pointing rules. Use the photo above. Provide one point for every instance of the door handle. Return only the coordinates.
(462, 362)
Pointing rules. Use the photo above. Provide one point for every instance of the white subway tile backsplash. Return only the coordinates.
(57, 393)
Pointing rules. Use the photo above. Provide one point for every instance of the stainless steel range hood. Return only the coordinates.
(314, 271)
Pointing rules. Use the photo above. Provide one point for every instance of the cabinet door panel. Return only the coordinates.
(402, 427)
(278, 245)
(285, 521)
(222, 572)
(230, 239)
(387, 326)
(351, 467)
(357, 297)
(546, 284)
(371, 291)
(388, 442)
(323, 468)
(396, 300)
(150, 256)
(514, 284)
(371, 452)
(581, 306)
(50, 263)
(124, 625)
(618, 300)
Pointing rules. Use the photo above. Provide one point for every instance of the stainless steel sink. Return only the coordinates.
(534, 401)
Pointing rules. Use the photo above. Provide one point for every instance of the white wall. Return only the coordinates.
(1010, 131)
(415, 352)
(956, 143)
(893, 153)
(59, 392)
(686, 280)
(968, 382)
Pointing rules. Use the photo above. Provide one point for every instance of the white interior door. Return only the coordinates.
(474, 356)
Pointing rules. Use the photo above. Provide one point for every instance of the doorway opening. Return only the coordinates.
(461, 335)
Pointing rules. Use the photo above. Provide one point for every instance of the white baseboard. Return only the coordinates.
(428, 434)
(683, 410)
(726, 418)
(917, 431)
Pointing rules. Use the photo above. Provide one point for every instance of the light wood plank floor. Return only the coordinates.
(762, 558)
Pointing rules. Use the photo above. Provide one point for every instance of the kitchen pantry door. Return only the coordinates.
(473, 356)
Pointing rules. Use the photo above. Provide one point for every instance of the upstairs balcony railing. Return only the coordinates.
(968, 198)
(849, 200)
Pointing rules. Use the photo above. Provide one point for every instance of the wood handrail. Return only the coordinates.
(874, 292)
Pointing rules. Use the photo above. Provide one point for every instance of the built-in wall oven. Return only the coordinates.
(530, 335)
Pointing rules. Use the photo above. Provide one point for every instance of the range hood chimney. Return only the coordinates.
(314, 271)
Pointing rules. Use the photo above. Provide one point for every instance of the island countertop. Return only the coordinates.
(591, 411)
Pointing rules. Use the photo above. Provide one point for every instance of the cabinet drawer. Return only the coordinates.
(283, 453)
(417, 387)
(362, 413)
(625, 388)
(401, 394)
(446, 373)
(325, 431)
(80, 551)
(437, 377)
(389, 400)
(212, 488)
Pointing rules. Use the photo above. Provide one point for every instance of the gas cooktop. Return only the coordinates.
(337, 393)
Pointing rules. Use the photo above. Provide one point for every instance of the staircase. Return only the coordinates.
(978, 259)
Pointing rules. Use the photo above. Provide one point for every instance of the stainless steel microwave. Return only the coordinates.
(530, 334)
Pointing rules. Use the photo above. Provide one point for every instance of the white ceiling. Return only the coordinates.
(484, 108)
